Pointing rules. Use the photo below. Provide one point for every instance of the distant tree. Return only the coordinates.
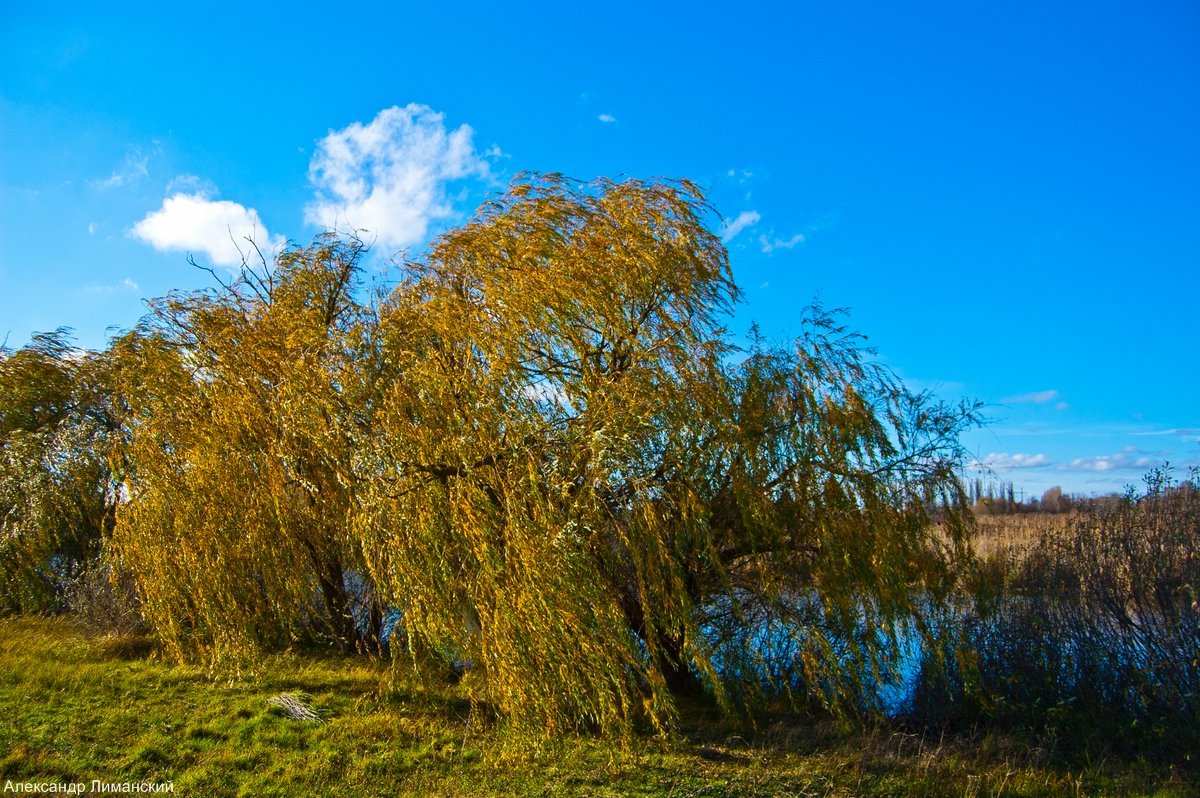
(1053, 501)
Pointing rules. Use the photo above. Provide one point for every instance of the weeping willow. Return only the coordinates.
(581, 487)
(543, 451)
(56, 498)
(236, 461)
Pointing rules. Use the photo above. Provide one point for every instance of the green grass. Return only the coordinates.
(75, 708)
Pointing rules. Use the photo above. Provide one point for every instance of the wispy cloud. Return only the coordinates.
(742, 178)
(220, 229)
(133, 168)
(389, 177)
(949, 389)
(607, 119)
(771, 244)
(127, 284)
(1181, 432)
(744, 219)
(1002, 461)
(191, 184)
(1036, 397)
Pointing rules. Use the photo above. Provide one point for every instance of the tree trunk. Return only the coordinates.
(681, 679)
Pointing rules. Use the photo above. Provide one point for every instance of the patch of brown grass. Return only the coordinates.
(1010, 536)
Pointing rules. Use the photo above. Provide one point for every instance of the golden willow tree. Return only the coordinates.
(543, 450)
(236, 466)
(578, 485)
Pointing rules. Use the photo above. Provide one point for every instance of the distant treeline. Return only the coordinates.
(1002, 497)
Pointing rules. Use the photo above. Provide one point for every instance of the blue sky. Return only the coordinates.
(1006, 196)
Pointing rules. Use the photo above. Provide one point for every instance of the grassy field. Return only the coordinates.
(74, 708)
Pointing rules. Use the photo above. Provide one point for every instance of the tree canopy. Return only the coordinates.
(56, 494)
(236, 456)
(541, 451)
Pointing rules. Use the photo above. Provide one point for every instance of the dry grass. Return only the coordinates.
(1081, 628)
(1012, 535)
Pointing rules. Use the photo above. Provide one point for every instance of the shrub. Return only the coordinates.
(1097, 629)
(104, 600)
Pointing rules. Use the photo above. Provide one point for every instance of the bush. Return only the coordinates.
(104, 600)
(1096, 630)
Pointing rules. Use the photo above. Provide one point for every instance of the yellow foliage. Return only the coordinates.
(542, 450)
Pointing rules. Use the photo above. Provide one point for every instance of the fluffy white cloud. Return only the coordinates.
(220, 229)
(607, 119)
(1002, 461)
(744, 219)
(390, 177)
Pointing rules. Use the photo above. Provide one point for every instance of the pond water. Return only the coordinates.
(766, 652)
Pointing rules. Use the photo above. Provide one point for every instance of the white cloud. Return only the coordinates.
(1127, 459)
(771, 244)
(547, 393)
(1002, 461)
(744, 219)
(607, 119)
(220, 229)
(389, 177)
(1037, 397)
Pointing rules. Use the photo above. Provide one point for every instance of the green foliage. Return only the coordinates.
(56, 496)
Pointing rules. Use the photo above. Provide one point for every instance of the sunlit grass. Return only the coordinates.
(77, 708)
